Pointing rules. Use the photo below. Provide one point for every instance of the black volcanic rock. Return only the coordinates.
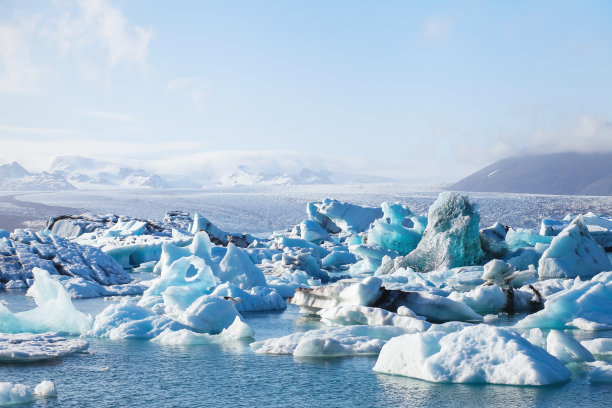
(557, 173)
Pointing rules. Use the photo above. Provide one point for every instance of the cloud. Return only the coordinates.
(99, 27)
(114, 116)
(36, 131)
(95, 33)
(438, 28)
(585, 134)
(194, 88)
(37, 155)
(18, 73)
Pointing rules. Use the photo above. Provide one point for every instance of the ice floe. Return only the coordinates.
(474, 354)
(36, 347)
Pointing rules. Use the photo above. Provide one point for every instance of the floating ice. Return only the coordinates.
(330, 342)
(335, 216)
(573, 253)
(450, 240)
(12, 394)
(370, 293)
(287, 282)
(237, 268)
(45, 389)
(517, 238)
(35, 347)
(493, 240)
(311, 231)
(566, 348)
(218, 236)
(238, 330)
(474, 354)
(127, 320)
(494, 299)
(590, 301)
(390, 233)
(191, 271)
(200, 246)
(602, 373)
(54, 310)
(373, 316)
(207, 314)
(256, 299)
(26, 250)
(598, 346)
(337, 259)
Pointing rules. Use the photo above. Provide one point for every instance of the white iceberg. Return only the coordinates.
(573, 253)
(330, 342)
(238, 330)
(566, 348)
(335, 216)
(54, 311)
(601, 373)
(36, 347)
(127, 320)
(237, 268)
(474, 354)
(598, 346)
(373, 316)
(589, 301)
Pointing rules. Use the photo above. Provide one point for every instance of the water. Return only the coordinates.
(139, 373)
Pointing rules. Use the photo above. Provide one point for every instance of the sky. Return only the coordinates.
(419, 91)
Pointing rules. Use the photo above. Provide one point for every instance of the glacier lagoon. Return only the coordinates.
(141, 373)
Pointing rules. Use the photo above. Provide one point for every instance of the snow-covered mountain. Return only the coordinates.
(244, 177)
(558, 173)
(84, 172)
(13, 177)
(69, 172)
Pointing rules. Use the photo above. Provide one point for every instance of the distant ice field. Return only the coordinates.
(259, 210)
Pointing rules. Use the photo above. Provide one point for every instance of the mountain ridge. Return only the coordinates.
(568, 173)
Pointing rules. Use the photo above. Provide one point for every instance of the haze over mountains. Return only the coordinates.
(70, 172)
(558, 173)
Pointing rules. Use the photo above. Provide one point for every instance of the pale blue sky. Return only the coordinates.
(430, 90)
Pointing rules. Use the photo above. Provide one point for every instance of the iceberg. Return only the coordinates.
(598, 346)
(257, 299)
(493, 240)
(450, 240)
(126, 320)
(189, 271)
(207, 314)
(26, 347)
(237, 268)
(335, 216)
(54, 311)
(330, 342)
(370, 292)
(13, 394)
(589, 301)
(218, 236)
(474, 354)
(390, 233)
(26, 250)
(238, 330)
(573, 253)
(373, 316)
(311, 231)
(601, 373)
(566, 348)
(493, 298)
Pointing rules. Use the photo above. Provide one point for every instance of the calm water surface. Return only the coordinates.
(138, 373)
